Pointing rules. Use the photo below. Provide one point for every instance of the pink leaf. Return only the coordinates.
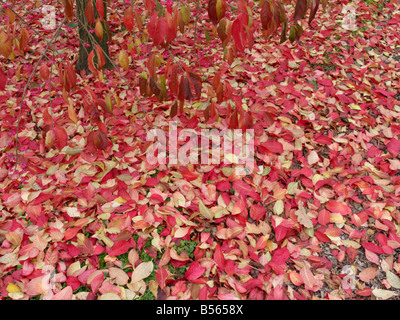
(372, 257)
(64, 294)
(308, 278)
(394, 146)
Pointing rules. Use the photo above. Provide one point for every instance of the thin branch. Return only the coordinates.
(26, 86)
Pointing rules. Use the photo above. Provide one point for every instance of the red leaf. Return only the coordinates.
(128, 19)
(89, 12)
(273, 146)
(23, 42)
(119, 247)
(61, 135)
(100, 9)
(223, 186)
(70, 233)
(280, 232)
(372, 257)
(195, 271)
(219, 257)
(161, 276)
(257, 211)
(364, 292)
(188, 175)
(244, 189)
(157, 28)
(100, 57)
(237, 34)
(372, 247)
(324, 217)
(96, 282)
(338, 207)
(280, 256)
(3, 80)
(173, 82)
(44, 72)
(150, 5)
(90, 62)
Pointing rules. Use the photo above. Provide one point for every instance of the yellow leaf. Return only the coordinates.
(120, 200)
(98, 30)
(393, 279)
(13, 288)
(383, 294)
(336, 218)
(109, 296)
(142, 271)
(72, 113)
(123, 59)
(354, 106)
(278, 207)
(205, 212)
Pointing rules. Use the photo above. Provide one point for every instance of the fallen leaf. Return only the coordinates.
(142, 271)
(383, 294)
(368, 274)
(302, 216)
(393, 279)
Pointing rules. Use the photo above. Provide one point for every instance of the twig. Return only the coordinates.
(26, 87)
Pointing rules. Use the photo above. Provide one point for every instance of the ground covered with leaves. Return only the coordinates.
(318, 218)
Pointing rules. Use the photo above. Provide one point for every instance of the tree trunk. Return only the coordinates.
(85, 38)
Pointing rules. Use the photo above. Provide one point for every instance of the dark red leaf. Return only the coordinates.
(313, 10)
(100, 140)
(300, 10)
(3, 80)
